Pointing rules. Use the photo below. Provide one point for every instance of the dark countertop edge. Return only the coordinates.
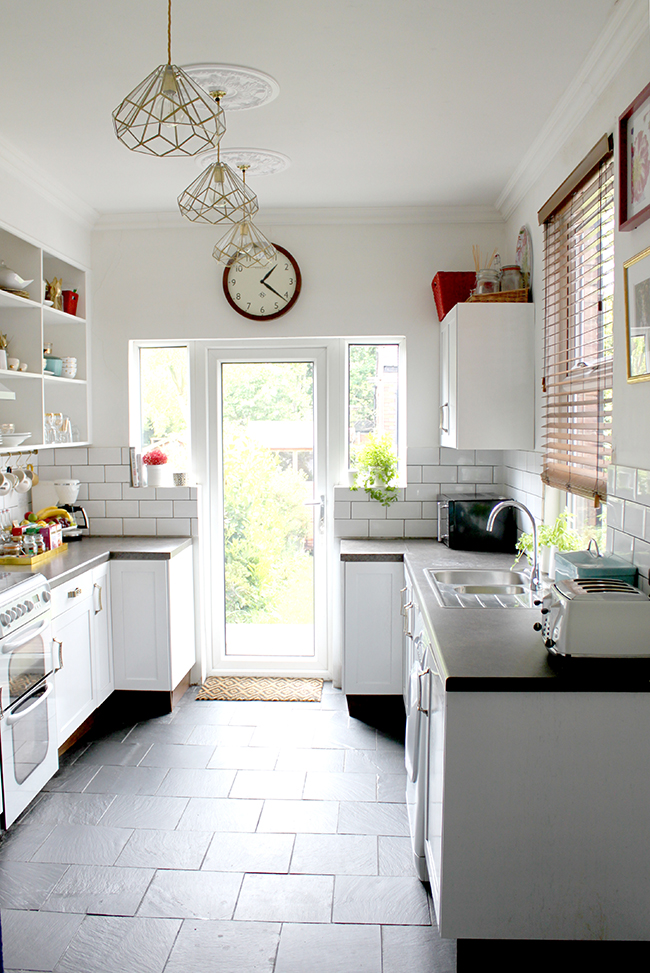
(388, 556)
(587, 683)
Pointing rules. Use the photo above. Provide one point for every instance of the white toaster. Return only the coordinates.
(596, 618)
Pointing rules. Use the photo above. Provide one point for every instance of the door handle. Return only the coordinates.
(13, 718)
(98, 588)
(321, 513)
(421, 709)
(59, 642)
(443, 427)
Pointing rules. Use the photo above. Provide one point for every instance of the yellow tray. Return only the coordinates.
(30, 561)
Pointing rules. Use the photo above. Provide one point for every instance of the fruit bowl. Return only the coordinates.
(14, 438)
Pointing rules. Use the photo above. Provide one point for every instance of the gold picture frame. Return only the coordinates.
(636, 280)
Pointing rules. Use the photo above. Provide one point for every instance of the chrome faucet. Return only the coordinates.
(535, 580)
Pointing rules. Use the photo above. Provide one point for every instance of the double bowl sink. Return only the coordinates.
(480, 588)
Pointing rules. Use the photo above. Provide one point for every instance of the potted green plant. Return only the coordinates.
(376, 466)
(558, 536)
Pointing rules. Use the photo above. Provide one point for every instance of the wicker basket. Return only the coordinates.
(519, 296)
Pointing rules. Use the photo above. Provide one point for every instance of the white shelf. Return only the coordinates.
(14, 301)
(49, 377)
(52, 316)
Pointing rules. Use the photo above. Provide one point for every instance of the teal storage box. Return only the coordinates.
(584, 564)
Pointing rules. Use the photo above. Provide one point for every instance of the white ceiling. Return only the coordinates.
(411, 103)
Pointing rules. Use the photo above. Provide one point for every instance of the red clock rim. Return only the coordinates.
(276, 314)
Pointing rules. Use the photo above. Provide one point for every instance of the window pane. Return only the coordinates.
(373, 404)
(165, 403)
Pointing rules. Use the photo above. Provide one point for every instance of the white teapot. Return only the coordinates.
(9, 279)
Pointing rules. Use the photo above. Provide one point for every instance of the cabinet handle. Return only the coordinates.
(75, 593)
(421, 708)
(443, 427)
(405, 623)
(60, 645)
(98, 588)
(401, 600)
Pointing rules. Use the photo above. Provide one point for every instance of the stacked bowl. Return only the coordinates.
(69, 367)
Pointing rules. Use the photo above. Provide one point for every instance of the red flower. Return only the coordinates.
(154, 458)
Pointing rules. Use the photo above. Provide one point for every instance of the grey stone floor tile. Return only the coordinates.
(79, 844)
(60, 808)
(426, 951)
(126, 780)
(112, 944)
(359, 737)
(380, 899)
(324, 786)
(294, 816)
(280, 736)
(391, 788)
(308, 758)
(20, 843)
(374, 762)
(109, 753)
(176, 755)
(257, 852)
(329, 948)
(224, 947)
(389, 743)
(26, 885)
(191, 895)
(154, 732)
(144, 811)
(36, 940)
(72, 778)
(205, 712)
(334, 854)
(244, 758)
(356, 817)
(165, 849)
(395, 856)
(103, 890)
(216, 734)
(220, 814)
(285, 898)
(287, 784)
(180, 782)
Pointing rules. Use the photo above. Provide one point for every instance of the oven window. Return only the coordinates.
(30, 736)
(26, 668)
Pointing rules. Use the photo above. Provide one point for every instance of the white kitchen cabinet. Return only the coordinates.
(101, 632)
(153, 622)
(487, 377)
(372, 650)
(72, 606)
(30, 325)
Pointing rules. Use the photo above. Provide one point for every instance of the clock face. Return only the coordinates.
(263, 292)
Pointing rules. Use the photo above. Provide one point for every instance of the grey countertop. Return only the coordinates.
(493, 649)
(92, 551)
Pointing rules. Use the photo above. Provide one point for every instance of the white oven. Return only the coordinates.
(28, 742)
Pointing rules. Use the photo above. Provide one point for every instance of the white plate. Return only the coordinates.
(48, 303)
(14, 438)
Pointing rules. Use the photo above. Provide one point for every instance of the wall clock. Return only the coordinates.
(262, 293)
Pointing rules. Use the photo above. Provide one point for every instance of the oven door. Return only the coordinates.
(28, 747)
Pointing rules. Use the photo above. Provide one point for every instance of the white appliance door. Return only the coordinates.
(28, 744)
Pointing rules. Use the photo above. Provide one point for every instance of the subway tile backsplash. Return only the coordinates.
(113, 506)
(628, 518)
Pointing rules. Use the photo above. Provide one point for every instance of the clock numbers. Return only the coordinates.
(263, 292)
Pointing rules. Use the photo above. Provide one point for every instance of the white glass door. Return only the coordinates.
(267, 456)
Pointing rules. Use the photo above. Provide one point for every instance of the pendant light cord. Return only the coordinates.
(169, 31)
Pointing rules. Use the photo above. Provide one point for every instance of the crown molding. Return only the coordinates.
(316, 216)
(17, 165)
(624, 30)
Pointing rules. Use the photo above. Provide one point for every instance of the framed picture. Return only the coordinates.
(636, 275)
(634, 162)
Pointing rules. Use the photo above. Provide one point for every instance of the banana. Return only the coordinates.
(48, 513)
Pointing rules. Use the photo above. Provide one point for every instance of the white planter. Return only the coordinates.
(158, 476)
(547, 560)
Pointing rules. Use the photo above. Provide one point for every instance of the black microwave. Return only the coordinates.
(462, 524)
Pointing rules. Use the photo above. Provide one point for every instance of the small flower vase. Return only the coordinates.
(157, 476)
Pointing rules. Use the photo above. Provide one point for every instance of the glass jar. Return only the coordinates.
(488, 281)
(511, 278)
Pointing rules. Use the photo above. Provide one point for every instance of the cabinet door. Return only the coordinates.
(447, 416)
(140, 619)
(102, 647)
(181, 615)
(372, 653)
(435, 780)
(73, 679)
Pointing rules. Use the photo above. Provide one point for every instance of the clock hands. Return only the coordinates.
(265, 283)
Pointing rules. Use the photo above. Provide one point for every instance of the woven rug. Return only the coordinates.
(272, 689)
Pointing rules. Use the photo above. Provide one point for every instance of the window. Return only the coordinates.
(165, 402)
(373, 395)
(578, 323)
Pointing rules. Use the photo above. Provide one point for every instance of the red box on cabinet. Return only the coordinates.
(451, 287)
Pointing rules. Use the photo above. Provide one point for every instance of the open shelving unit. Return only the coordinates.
(30, 324)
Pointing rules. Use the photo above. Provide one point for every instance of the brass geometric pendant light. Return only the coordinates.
(168, 114)
(244, 243)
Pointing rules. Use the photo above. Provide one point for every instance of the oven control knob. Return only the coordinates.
(4, 619)
(46, 596)
(537, 626)
(29, 606)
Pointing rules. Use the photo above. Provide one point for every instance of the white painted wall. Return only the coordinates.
(631, 417)
(357, 279)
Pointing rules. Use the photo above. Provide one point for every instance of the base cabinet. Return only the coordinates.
(153, 622)
(73, 677)
(101, 634)
(372, 650)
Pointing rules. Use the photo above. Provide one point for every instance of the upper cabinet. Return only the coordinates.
(30, 325)
(487, 377)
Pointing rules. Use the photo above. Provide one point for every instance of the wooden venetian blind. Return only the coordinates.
(578, 321)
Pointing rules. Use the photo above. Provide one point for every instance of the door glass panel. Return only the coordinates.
(268, 470)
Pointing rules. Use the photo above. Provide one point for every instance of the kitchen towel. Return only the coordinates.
(274, 689)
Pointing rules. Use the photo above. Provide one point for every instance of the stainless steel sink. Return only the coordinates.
(480, 588)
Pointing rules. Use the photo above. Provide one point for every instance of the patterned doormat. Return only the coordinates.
(271, 689)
